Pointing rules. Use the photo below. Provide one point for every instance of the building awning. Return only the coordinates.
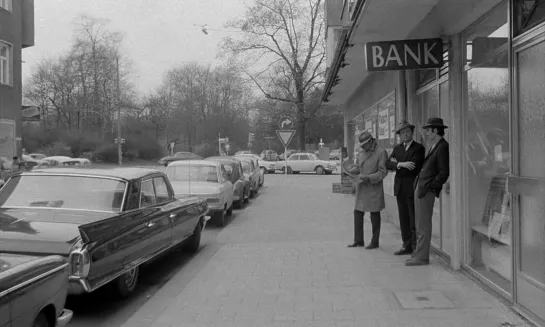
(376, 20)
(387, 20)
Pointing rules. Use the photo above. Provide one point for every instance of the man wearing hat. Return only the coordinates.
(435, 172)
(406, 160)
(371, 169)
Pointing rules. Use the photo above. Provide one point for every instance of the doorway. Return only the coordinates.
(528, 180)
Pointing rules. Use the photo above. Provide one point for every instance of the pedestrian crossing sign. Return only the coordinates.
(285, 136)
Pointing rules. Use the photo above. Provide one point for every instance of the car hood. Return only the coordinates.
(42, 231)
(186, 188)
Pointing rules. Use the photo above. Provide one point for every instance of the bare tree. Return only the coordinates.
(287, 35)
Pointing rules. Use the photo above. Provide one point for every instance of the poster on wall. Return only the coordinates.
(383, 124)
(7, 138)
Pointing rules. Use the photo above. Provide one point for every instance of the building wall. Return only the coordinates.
(16, 29)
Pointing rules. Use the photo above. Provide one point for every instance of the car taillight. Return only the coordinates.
(80, 263)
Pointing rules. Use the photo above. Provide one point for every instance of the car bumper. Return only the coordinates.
(215, 209)
(78, 286)
(64, 318)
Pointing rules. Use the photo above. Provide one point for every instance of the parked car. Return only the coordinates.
(335, 154)
(107, 222)
(304, 163)
(178, 156)
(257, 163)
(268, 155)
(37, 156)
(207, 180)
(241, 185)
(33, 290)
(251, 172)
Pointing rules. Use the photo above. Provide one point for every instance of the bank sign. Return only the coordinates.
(404, 54)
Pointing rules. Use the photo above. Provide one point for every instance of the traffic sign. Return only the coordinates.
(285, 122)
(285, 136)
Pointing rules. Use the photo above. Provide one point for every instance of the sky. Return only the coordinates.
(159, 34)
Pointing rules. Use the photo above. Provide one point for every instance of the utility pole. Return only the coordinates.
(119, 142)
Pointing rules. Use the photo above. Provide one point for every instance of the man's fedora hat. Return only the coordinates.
(435, 122)
(404, 124)
(365, 137)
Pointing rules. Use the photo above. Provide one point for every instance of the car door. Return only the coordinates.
(154, 231)
(5, 312)
(293, 162)
(179, 216)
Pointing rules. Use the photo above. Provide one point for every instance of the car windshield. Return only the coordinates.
(312, 156)
(245, 166)
(63, 191)
(195, 173)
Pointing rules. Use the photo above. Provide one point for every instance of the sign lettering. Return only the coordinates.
(404, 54)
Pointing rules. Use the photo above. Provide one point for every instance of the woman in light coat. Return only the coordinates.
(370, 169)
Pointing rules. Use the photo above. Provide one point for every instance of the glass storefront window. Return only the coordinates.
(487, 152)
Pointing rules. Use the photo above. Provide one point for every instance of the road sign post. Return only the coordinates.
(285, 137)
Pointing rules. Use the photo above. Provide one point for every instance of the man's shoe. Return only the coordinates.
(356, 244)
(403, 251)
(371, 246)
(416, 262)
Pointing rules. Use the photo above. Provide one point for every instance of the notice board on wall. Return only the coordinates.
(386, 113)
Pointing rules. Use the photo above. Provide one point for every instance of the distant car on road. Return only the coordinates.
(252, 172)
(305, 163)
(207, 180)
(178, 156)
(107, 222)
(241, 185)
(33, 290)
(258, 163)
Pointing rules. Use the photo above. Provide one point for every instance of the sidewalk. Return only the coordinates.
(283, 261)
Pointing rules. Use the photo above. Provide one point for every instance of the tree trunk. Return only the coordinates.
(301, 123)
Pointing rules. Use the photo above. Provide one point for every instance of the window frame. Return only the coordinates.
(9, 61)
(169, 193)
(6, 5)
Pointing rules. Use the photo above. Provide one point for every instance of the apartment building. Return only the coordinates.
(16, 33)
(487, 82)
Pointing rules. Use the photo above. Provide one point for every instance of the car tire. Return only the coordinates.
(240, 202)
(126, 283)
(246, 196)
(289, 170)
(230, 211)
(220, 218)
(194, 241)
(319, 170)
(41, 320)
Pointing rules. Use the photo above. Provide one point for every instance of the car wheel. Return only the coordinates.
(289, 170)
(319, 170)
(246, 195)
(41, 320)
(240, 201)
(220, 218)
(126, 283)
(230, 210)
(194, 242)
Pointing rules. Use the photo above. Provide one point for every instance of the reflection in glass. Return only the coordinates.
(488, 163)
(531, 146)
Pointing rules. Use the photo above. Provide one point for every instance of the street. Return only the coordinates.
(282, 261)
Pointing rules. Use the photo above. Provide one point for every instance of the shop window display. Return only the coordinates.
(487, 151)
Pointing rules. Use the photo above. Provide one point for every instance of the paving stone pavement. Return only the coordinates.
(283, 261)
